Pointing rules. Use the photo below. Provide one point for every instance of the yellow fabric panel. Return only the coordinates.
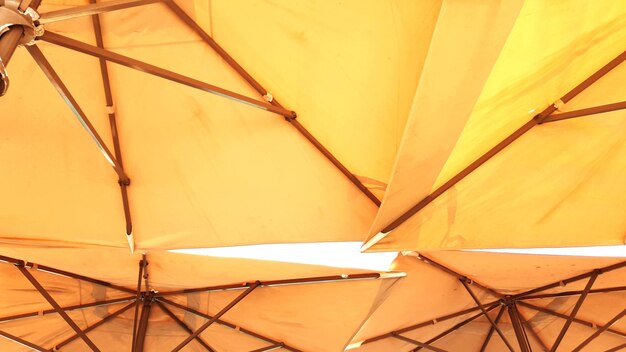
(446, 95)
(548, 188)
(551, 49)
(205, 171)
(349, 69)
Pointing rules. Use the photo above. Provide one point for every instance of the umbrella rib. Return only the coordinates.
(575, 293)
(52, 270)
(536, 120)
(97, 26)
(482, 308)
(184, 17)
(54, 78)
(159, 72)
(587, 111)
(298, 281)
(544, 346)
(92, 327)
(184, 326)
(586, 275)
(418, 343)
(230, 325)
(572, 315)
(575, 320)
(57, 307)
(68, 308)
(452, 329)
(268, 348)
(491, 330)
(617, 348)
(428, 322)
(91, 9)
(600, 331)
(216, 316)
(455, 274)
(22, 342)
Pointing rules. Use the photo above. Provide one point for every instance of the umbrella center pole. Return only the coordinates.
(148, 298)
(18, 26)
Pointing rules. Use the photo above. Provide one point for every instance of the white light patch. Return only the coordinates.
(337, 254)
(596, 251)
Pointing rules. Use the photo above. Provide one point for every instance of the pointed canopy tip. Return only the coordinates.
(393, 275)
(373, 240)
(353, 346)
(131, 242)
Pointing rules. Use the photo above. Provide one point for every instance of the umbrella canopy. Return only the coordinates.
(197, 169)
(509, 161)
(477, 301)
(227, 304)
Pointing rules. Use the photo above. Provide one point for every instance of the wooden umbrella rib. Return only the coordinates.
(600, 331)
(93, 326)
(268, 348)
(418, 343)
(429, 322)
(65, 273)
(453, 329)
(184, 326)
(159, 72)
(91, 9)
(22, 342)
(104, 72)
(228, 324)
(586, 112)
(66, 309)
(224, 310)
(492, 330)
(60, 87)
(482, 308)
(570, 280)
(184, 17)
(574, 293)
(565, 317)
(57, 307)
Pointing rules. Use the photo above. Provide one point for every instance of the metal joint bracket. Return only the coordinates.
(507, 301)
(32, 13)
(558, 104)
(467, 280)
(291, 117)
(38, 31)
(10, 17)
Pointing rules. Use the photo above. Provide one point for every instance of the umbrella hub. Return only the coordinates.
(12, 18)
